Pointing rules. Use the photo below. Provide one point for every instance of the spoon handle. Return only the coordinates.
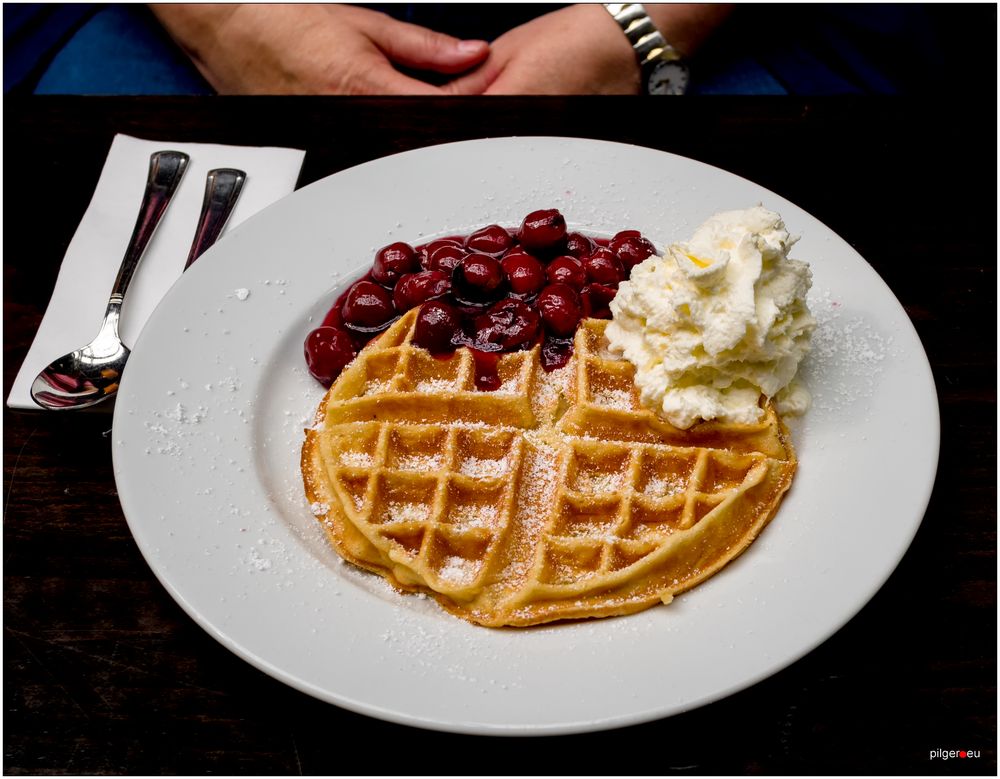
(165, 171)
(222, 190)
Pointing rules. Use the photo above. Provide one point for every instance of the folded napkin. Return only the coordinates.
(91, 263)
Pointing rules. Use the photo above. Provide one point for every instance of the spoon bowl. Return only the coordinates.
(89, 375)
(86, 376)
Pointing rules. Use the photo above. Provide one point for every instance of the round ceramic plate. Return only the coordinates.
(209, 420)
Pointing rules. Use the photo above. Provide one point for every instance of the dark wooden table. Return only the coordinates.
(105, 674)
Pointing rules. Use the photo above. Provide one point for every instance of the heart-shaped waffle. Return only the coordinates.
(556, 496)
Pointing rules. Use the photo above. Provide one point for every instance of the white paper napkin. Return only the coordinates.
(91, 263)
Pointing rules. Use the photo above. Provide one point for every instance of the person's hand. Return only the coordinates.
(317, 49)
(582, 50)
(575, 50)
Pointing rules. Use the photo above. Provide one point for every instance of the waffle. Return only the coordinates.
(557, 496)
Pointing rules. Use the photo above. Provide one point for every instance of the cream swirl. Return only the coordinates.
(717, 321)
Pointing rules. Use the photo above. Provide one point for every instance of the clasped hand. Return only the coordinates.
(344, 49)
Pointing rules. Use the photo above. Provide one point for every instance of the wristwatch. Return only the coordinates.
(664, 71)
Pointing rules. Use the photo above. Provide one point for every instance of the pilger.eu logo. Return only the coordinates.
(948, 754)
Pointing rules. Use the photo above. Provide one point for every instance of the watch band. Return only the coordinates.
(647, 42)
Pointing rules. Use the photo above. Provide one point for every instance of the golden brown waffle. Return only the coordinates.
(555, 497)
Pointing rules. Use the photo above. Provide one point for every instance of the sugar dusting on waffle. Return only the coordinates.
(567, 500)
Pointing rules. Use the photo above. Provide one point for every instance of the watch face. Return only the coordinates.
(668, 78)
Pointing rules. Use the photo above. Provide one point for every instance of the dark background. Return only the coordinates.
(105, 674)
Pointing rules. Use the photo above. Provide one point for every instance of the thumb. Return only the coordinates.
(475, 82)
(417, 47)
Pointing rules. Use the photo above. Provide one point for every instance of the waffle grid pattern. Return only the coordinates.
(437, 500)
(618, 504)
(557, 496)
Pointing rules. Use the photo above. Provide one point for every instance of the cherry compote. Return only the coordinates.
(328, 350)
(482, 272)
(631, 247)
(567, 270)
(367, 305)
(525, 274)
(543, 231)
(579, 245)
(559, 306)
(507, 326)
(596, 299)
(494, 291)
(393, 261)
(492, 239)
(445, 258)
(604, 267)
(437, 327)
(415, 288)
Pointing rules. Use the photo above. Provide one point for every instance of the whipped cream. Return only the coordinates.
(717, 321)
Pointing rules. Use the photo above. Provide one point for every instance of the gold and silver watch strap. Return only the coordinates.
(648, 42)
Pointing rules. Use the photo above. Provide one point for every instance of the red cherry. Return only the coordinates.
(506, 326)
(631, 248)
(579, 245)
(595, 298)
(414, 288)
(487, 373)
(559, 306)
(368, 305)
(328, 350)
(482, 271)
(543, 230)
(333, 317)
(556, 352)
(566, 270)
(603, 267)
(436, 326)
(393, 261)
(492, 239)
(525, 274)
(425, 251)
(445, 258)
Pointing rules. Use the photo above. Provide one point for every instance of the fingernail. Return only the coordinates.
(470, 47)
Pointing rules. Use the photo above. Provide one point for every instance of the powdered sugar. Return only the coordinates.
(420, 462)
(847, 358)
(375, 387)
(458, 570)
(475, 515)
(165, 436)
(227, 384)
(613, 398)
(356, 459)
(511, 386)
(184, 415)
(599, 483)
(660, 487)
(538, 485)
(436, 386)
(257, 562)
(553, 383)
(407, 512)
(484, 469)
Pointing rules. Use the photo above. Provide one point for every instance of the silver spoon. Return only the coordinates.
(90, 374)
(222, 190)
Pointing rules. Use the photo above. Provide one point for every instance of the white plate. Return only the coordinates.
(209, 423)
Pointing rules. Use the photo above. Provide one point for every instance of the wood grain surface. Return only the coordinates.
(104, 674)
